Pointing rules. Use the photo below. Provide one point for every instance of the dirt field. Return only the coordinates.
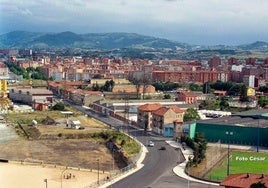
(42, 151)
(26, 176)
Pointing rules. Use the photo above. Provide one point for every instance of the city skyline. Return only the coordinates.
(207, 22)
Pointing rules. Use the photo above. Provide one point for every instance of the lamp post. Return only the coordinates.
(188, 182)
(45, 180)
(229, 134)
(61, 176)
(98, 171)
(258, 132)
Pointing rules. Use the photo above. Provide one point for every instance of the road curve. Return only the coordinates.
(158, 164)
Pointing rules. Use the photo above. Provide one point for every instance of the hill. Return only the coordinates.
(23, 39)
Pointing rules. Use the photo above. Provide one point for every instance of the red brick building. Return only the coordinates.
(186, 96)
(201, 76)
(214, 62)
(232, 61)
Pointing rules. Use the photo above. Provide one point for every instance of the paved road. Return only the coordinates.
(158, 164)
(157, 171)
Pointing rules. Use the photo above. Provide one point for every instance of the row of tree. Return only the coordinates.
(108, 86)
(198, 145)
(30, 72)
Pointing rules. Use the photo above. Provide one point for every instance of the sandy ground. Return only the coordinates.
(26, 176)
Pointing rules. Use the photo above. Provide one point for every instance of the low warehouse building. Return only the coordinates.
(245, 128)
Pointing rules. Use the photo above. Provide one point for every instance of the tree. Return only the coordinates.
(191, 114)
(108, 86)
(206, 88)
(210, 105)
(224, 103)
(262, 101)
(167, 96)
(258, 185)
(243, 94)
(137, 82)
(235, 90)
(195, 87)
(59, 106)
(263, 89)
(95, 87)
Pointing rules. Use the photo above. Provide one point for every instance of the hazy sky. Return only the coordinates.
(190, 21)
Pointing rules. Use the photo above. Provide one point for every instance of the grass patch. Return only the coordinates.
(241, 162)
(39, 116)
(128, 146)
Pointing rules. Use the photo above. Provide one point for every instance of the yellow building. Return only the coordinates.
(250, 91)
(3, 85)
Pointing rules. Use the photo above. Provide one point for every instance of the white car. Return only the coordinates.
(151, 144)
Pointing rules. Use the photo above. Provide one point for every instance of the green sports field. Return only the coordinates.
(241, 162)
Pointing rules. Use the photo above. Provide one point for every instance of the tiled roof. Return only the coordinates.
(161, 111)
(176, 109)
(189, 94)
(149, 107)
(244, 180)
(178, 121)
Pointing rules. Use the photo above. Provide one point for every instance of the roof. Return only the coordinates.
(237, 121)
(253, 113)
(244, 180)
(149, 107)
(34, 91)
(188, 94)
(176, 109)
(161, 111)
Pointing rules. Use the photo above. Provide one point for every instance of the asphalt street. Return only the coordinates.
(158, 164)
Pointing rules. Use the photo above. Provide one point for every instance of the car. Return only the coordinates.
(162, 148)
(151, 144)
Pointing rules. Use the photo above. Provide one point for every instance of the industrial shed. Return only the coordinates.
(247, 128)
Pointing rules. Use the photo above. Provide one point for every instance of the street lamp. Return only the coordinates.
(188, 182)
(98, 171)
(61, 176)
(258, 132)
(45, 180)
(229, 133)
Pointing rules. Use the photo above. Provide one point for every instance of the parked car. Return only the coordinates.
(151, 143)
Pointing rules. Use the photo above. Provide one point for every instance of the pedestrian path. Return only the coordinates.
(180, 169)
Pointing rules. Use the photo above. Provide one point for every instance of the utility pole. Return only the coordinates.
(126, 114)
(229, 134)
(98, 171)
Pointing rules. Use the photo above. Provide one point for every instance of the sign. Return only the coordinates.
(250, 158)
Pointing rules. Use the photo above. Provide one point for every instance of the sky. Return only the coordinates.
(200, 22)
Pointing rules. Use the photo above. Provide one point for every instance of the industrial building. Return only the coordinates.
(245, 128)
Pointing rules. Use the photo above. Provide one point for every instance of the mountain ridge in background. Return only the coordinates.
(108, 41)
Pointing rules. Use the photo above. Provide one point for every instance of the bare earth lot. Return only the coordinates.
(51, 156)
(25, 176)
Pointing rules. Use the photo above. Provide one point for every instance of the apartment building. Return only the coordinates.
(144, 119)
(163, 120)
(201, 76)
(3, 69)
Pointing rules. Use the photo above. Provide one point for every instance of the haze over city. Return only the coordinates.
(206, 22)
